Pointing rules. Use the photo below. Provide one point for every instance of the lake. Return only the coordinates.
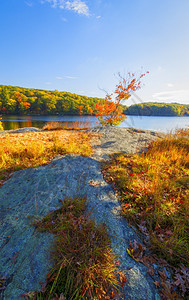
(164, 124)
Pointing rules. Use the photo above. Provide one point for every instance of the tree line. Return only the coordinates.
(18, 100)
(158, 109)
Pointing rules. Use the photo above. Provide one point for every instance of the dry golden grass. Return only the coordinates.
(85, 267)
(154, 192)
(24, 150)
(77, 125)
(154, 189)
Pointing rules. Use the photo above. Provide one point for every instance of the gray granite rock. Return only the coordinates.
(20, 130)
(24, 253)
(122, 140)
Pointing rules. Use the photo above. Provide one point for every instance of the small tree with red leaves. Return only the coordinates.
(110, 112)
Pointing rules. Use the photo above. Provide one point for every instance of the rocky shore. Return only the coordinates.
(20, 130)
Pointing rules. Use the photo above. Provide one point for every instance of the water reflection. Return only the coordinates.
(163, 124)
(15, 122)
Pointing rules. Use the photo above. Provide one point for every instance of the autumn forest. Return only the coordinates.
(21, 101)
(17, 100)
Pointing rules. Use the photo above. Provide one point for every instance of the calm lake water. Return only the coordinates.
(164, 124)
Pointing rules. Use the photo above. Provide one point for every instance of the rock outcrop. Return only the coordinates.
(31, 193)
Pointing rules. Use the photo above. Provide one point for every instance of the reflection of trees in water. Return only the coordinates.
(153, 123)
(29, 122)
(10, 125)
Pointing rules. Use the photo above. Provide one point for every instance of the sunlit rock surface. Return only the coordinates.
(32, 193)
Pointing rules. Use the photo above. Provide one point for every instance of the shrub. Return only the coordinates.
(110, 112)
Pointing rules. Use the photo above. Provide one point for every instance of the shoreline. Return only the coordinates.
(92, 129)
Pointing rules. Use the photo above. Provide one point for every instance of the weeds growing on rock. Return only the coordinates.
(84, 266)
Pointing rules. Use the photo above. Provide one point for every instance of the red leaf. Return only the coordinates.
(130, 174)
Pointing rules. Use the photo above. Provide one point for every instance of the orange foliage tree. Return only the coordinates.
(110, 112)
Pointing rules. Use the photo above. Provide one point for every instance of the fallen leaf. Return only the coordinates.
(122, 278)
(117, 263)
(162, 275)
(156, 284)
(151, 271)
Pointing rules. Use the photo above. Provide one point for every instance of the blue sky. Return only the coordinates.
(79, 46)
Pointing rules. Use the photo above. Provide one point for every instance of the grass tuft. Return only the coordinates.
(77, 125)
(84, 263)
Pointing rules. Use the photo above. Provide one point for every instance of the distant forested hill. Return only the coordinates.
(18, 100)
(158, 109)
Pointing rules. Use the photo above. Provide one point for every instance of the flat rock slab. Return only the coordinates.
(24, 252)
(121, 139)
(20, 130)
